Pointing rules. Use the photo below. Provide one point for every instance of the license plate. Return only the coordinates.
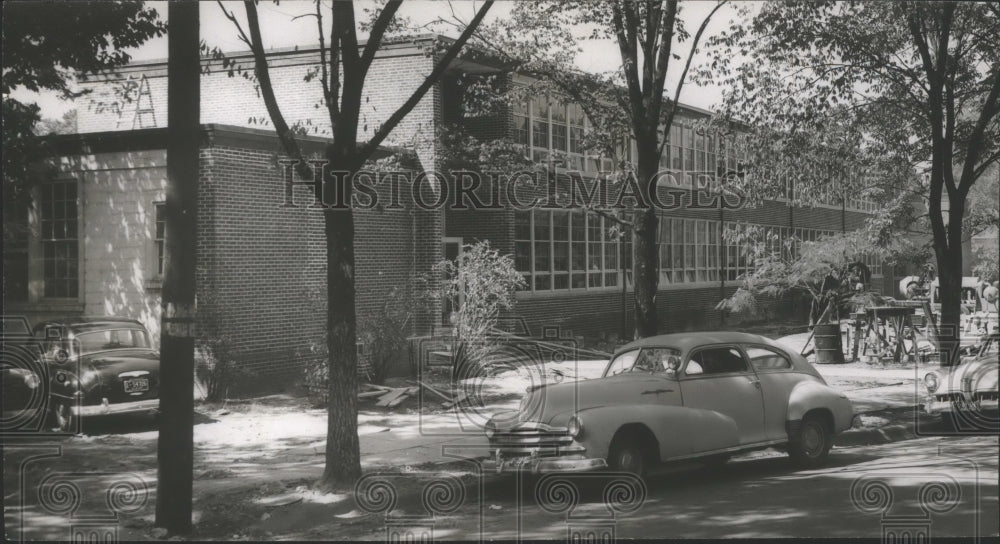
(136, 385)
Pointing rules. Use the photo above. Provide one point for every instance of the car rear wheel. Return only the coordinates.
(629, 455)
(811, 446)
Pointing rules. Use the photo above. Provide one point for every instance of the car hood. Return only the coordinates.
(548, 402)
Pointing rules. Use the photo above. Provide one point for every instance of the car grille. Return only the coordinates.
(950, 397)
(987, 395)
(533, 439)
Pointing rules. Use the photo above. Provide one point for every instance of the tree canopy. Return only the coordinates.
(46, 46)
(915, 85)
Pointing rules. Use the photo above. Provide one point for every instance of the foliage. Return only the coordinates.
(46, 47)
(542, 40)
(384, 336)
(916, 83)
(827, 270)
(988, 267)
(217, 364)
(481, 283)
(219, 369)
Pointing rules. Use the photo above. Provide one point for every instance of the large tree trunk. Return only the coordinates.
(647, 278)
(949, 264)
(343, 458)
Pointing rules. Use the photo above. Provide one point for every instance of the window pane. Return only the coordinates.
(522, 256)
(542, 282)
(542, 263)
(542, 221)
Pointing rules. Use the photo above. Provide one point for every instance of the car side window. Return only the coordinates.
(721, 360)
(767, 359)
(655, 359)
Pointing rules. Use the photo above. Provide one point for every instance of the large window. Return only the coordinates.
(776, 240)
(689, 250)
(59, 239)
(549, 128)
(558, 250)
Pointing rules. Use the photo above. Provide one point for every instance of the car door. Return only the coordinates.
(777, 378)
(718, 378)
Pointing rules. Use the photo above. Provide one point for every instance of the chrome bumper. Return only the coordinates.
(949, 406)
(105, 409)
(543, 465)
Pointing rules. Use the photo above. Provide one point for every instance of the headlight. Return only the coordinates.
(491, 429)
(931, 382)
(575, 427)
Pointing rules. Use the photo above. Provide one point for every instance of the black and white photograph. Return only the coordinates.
(500, 270)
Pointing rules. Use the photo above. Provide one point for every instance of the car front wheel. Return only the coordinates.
(812, 445)
(629, 456)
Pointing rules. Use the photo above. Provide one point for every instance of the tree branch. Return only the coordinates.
(385, 17)
(390, 124)
(285, 135)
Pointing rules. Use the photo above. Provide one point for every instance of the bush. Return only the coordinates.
(218, 370)
(216, 363)
(384, 337)
(480, 283)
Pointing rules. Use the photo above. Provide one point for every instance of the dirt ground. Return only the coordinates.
(256, 458)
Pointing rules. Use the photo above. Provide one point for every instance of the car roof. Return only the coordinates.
(685, 341)
(82, 323)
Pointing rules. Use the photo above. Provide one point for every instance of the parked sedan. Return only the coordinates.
(966, 395)
(675, 397)
(99, 366)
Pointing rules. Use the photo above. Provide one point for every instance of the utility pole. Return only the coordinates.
(175, 447)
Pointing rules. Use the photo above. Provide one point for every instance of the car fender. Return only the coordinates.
(811, 395)
(986, 380)
(679, 431)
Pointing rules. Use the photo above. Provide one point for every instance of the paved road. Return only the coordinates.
(757, 496)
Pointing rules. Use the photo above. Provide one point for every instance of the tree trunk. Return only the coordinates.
(343, 457)
(949, 264)
(647, 278)
(175, 443)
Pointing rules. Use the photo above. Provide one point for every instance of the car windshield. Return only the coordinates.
(94, 341)
(644, 360)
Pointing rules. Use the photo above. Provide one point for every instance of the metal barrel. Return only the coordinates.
(829, 344)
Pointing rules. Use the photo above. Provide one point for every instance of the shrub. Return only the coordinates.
(480, 283)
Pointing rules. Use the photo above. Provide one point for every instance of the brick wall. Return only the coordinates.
(262, 267)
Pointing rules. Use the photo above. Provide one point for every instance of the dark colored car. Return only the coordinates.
(98, 366)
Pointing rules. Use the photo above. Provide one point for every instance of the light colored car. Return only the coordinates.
(674, 397)
(966, 394)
